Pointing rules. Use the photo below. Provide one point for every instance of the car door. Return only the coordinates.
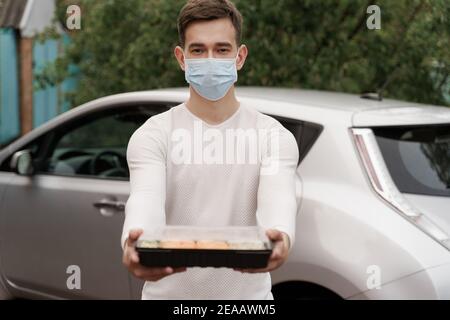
(60, 229)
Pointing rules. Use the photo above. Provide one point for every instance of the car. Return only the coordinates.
(372, 186)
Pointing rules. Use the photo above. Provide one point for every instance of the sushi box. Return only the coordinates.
(187, 246)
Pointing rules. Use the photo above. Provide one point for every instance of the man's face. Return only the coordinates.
(211, 39)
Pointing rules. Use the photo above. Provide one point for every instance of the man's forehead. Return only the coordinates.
(210, 32)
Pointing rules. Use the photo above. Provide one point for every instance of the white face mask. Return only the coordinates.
(211, 77)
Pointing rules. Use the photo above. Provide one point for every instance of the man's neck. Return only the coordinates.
(213, 112)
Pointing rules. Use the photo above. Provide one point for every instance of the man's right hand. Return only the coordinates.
(131, 261)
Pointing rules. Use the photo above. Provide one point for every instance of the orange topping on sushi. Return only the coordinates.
(179, 244)
(212, 245)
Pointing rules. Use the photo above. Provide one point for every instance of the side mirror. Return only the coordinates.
(22, 163)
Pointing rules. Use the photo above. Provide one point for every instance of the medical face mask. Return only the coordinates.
(211, 77)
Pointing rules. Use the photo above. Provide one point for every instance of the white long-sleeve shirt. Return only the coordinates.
(182, 173)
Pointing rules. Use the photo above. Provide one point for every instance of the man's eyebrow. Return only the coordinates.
(219, 44)
(196, 44)
(224, 44)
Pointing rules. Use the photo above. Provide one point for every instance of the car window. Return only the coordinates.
(418, 158)
(74, 147)
(95, 146)
(308, 136)
(305, 133)
(36, 149)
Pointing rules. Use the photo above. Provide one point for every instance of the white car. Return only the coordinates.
(373, 191)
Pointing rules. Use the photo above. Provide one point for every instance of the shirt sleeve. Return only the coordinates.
(276, 199)
(146, 157)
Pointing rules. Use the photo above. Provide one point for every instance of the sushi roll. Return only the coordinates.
(248, 245)
(218, 245)
(148, 244)
(177, 244)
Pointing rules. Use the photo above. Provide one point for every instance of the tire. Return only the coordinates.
(303, 291)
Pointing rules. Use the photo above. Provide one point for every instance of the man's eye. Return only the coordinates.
(223, 50)
(196, 51)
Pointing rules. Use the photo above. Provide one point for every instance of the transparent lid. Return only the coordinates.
(192, 237)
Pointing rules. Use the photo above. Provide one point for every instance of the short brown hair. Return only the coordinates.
(197, 10)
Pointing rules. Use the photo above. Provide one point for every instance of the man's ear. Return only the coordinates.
(242, 56)
(179, 55)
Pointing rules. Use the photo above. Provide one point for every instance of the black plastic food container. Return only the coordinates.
(180, 246)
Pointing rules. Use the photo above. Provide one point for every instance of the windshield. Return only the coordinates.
(418, 158)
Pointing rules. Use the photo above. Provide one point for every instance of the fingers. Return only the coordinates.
(277, 250)
(279, 245)
(130, 254)
(130, 257)
(278, 256)
(155, 274)
(131, 261)
(143, 272)
(133, 236)
(134, 257)
(274, 235)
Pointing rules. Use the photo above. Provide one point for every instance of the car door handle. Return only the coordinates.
(108, 207)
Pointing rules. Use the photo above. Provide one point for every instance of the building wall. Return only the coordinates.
(50, 101)
(45, 101)
(9, 86)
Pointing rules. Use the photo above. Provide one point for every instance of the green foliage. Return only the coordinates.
(128, 46)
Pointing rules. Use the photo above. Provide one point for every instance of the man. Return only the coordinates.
(173, 185)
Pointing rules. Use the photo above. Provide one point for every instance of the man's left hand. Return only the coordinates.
(279, 254)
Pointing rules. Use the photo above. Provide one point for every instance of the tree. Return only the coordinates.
(128, 46)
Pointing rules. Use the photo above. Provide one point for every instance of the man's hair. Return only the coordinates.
(198, 10)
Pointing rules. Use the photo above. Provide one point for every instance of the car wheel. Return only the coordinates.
(297, 290)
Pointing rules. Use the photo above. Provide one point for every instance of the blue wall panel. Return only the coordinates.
(45, 101)
(9, 86)
(70, 84)
(49, 102)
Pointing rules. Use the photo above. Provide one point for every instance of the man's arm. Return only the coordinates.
(146, 154)
(145, 208)
(276, 199)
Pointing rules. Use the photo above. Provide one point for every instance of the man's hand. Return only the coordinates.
(131, 261)
(279, 253)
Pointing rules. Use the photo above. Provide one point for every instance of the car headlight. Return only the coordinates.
(385, 187)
